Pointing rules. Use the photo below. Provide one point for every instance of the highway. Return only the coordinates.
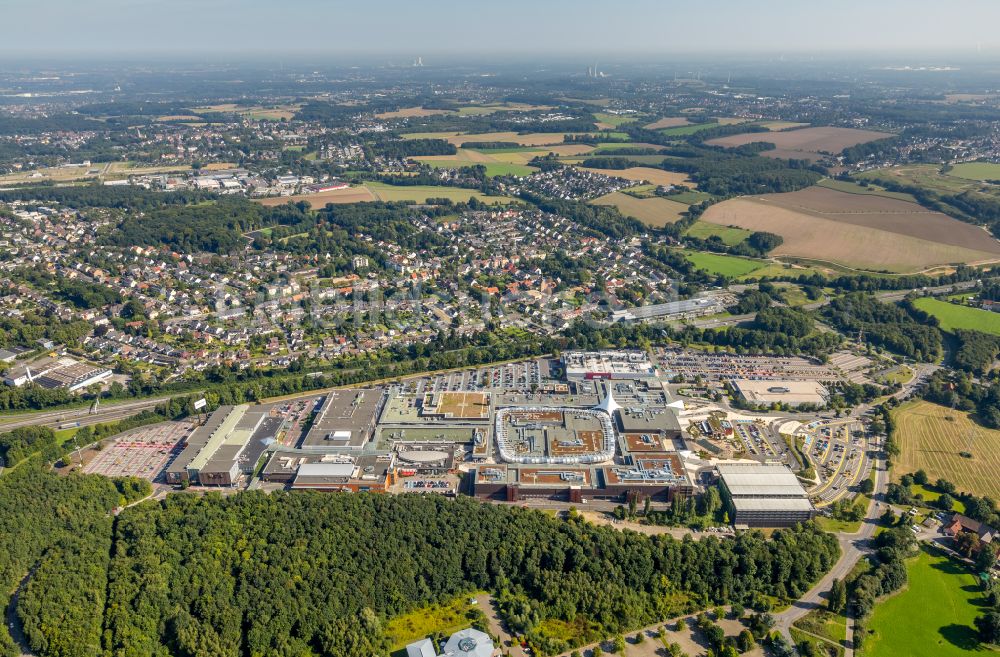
(82, 415)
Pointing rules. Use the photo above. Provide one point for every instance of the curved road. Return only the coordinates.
(14, 623)
(852, 548)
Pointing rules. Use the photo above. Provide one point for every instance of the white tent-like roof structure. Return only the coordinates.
(608, 404)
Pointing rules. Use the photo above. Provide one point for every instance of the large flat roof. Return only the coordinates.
(786, 392)
(760, 480)
(345, 420)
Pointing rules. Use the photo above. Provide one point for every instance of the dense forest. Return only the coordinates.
(320, 573)
(63, 540)
(884, 325)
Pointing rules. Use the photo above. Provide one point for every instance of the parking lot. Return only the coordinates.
(143, 452)
(715, 368)
(522, 377)
(841, 454)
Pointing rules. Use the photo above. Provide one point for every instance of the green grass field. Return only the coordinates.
(420, 193)
(930, 496)
(492, 168)
(730, 236)
(685, 130)
(615, 119)
(691, 198)
(723, 265)
(932, 617)
(952, 316)
(444, 619)
(976, 171)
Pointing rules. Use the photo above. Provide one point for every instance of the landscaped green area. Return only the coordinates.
(728, 235)
(824, 625)
(933, 617)
(723, 265)
(976, 171)
(442, 619)
(952, 316)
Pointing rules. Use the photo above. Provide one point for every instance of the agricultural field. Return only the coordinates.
(411, 112)
(778, 126)
(927, 176)
(953, 316)
(811, 141)
(493, 108)
(504, 161)
(170, 118)
(932, 617)
(870, 190)
(529, 139)
(254, 112)
(492, 168)
(667, 122)
(654, 176)
(723, 265)
(350, 195)
(612, 146)
(976, 171)
(729, 236)
(420, 193)
(689, 129)
(654, 211)
(607, 121)
(860, 231)
(932, 437)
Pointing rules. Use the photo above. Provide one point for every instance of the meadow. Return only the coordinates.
(952, 316)
(976, 171)
(932, 437)
(729, 236)
(931, 617)
(723, 265)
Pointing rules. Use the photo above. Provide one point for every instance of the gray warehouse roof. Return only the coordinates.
(756, 480)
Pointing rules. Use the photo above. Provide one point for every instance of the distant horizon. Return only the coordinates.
(184, 29)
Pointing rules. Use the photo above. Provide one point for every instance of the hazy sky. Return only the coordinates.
(381, 27)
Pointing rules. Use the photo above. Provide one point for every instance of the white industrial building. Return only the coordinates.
(764, 495)
(610, 364)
